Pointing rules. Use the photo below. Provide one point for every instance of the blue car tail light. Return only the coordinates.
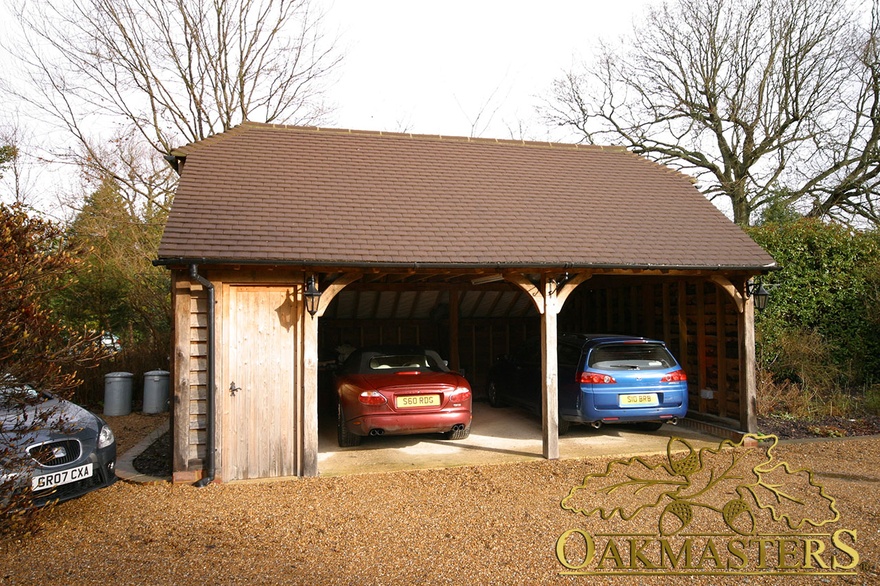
(596, 378)
(677, 376)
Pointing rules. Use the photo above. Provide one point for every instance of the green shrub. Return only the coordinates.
(871, 403)
(820, 333)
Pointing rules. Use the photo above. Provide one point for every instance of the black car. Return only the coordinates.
(51, 447)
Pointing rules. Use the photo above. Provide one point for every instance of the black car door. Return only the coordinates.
(569, 359)
(527, 376)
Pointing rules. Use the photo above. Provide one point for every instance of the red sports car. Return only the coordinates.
(399, 390)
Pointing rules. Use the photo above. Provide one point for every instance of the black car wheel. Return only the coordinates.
(458, 434)
(492, 395)
(345, 438)
(563, 427)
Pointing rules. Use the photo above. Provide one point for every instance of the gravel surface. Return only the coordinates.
(493, 524)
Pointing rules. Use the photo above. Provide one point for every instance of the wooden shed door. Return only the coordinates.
(259, 382)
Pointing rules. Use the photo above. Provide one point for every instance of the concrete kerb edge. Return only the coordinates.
(125, 464)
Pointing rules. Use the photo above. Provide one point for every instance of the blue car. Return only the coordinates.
(602, 379)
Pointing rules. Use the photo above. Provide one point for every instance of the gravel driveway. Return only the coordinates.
(493, 524)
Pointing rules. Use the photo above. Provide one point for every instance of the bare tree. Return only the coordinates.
(484, 115)
(755, 97)
(16, 168)
(846, 178)
(130, 80)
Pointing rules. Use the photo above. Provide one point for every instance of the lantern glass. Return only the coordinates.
(312, 296)
(761, 296)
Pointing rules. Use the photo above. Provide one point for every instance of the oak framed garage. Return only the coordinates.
(468, 245)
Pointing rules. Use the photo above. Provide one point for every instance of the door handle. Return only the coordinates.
(233, 389)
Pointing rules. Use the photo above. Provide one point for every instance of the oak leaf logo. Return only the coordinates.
(733, 481)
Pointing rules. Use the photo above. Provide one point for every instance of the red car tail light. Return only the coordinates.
(408, 372)
(677, 376)
(372, 398)
(596, 378)
(461, 394)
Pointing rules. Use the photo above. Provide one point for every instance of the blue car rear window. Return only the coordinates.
(631, 357)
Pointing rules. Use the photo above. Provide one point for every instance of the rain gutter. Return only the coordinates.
(461, 266)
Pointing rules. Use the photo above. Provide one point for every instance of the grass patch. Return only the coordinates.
(797, 400)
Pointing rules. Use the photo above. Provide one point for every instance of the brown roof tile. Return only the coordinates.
(303, 195)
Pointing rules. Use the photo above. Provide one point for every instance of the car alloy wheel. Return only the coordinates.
(492, 394)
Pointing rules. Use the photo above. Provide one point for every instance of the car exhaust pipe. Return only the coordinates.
(596, 424)
(377, 431)
(458, 427)
(673, 421)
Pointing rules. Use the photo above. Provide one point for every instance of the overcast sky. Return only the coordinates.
(434, 67)
(451, 67)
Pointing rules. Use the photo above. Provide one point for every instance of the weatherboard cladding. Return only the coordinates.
(261, 193)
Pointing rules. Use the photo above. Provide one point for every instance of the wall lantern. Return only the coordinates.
(760, 294)
(312, 296)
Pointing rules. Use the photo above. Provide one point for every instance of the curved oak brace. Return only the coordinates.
(569, 287)
(533, 291)
(333, 289)
(731, 290)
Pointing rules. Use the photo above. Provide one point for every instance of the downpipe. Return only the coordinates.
(210, 456)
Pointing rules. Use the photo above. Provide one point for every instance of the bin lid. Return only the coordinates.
(157, 373)
(118, 375)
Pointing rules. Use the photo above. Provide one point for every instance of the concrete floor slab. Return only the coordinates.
(497, 436)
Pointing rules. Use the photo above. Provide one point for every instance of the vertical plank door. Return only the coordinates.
(259, 383)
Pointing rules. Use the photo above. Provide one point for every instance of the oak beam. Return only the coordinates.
(550, 388)
(308, 462)
(454, 358)
(748, 406)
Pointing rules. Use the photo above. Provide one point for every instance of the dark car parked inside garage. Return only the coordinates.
(602, 379)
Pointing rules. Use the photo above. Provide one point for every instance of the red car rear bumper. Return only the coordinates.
(408, 423)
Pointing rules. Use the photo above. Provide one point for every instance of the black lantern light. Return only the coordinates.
(760, 294)
(312, 296)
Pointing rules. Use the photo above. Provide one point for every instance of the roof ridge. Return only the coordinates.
(250, 125)
(187, 148)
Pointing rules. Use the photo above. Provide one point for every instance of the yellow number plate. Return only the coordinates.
(649, 400)
(409, 401)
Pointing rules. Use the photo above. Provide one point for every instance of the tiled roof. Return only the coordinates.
(264, 193)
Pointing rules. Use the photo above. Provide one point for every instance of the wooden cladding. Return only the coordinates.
(190, 386)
